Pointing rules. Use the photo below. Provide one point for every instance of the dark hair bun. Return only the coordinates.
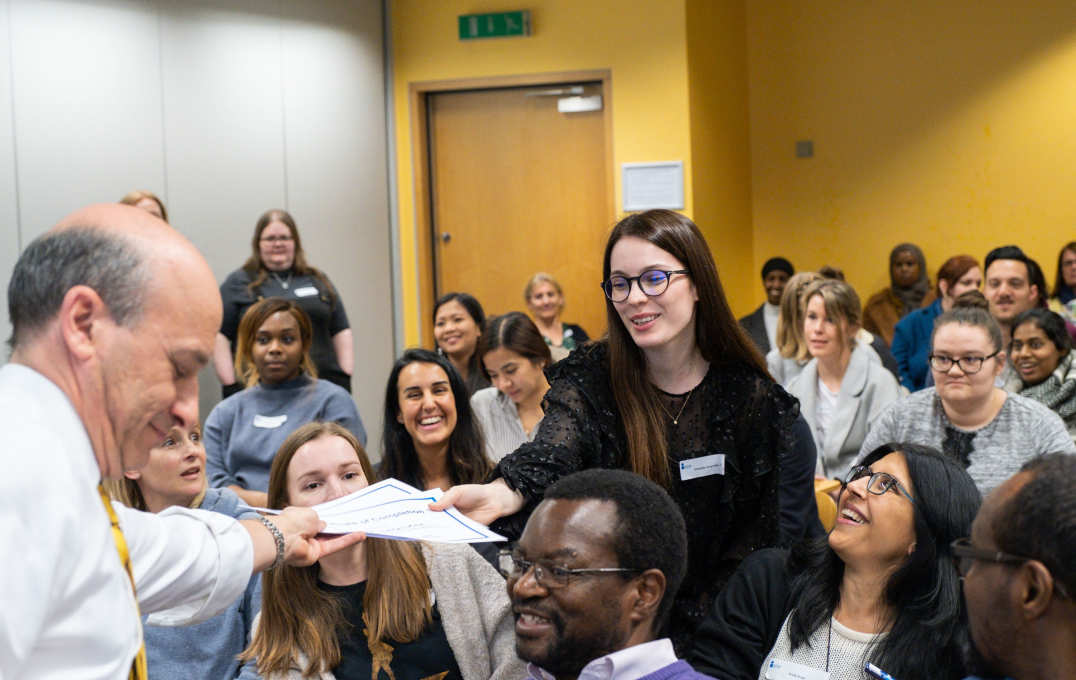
(972, 299)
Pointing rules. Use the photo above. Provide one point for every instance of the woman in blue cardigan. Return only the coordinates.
(911, 338)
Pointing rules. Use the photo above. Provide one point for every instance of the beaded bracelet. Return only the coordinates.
(278, 538)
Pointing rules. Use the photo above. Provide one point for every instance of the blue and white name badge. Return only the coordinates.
(270, 422)
(703, 466)
(306, 291)
(786, 670)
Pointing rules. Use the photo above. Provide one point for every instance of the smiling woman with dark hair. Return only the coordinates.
(431, 438)
(881, 587)
(1042, 357)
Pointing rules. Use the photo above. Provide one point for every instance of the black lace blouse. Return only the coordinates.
(734, 411)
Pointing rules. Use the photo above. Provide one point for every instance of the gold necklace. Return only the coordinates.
(676, 419)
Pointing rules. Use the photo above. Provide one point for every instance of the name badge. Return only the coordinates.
(270, 422)
(702, 467)
(786, 670)
(306, 291)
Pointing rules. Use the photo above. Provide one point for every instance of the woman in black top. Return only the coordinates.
(679, 394)
(277, 267)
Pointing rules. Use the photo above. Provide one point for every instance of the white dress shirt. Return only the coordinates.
(626, 664)
(68, 610)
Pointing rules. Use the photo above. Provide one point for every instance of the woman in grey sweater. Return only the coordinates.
(990, 431)
(283, 392)
(381, 608)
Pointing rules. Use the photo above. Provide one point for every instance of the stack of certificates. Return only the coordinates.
(392, 509)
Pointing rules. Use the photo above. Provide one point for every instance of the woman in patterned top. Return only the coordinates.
(679, 394)
(965, 414)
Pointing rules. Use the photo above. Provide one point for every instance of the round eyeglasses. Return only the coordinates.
(879, 482)
(652, 282)
(548, 576)
(969, 365)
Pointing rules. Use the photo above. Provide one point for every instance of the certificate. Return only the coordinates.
(395, 510)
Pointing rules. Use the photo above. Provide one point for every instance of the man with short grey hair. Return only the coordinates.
(114, 313)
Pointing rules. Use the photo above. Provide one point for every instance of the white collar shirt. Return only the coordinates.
(68, 606)
(625, 664)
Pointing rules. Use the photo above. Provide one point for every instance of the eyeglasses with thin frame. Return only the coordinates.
(964, 554)
(276, 239)
(969, 365)
(652, 282)
(549, 576)
(879, 482)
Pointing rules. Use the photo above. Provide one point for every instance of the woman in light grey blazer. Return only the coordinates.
(843, 388)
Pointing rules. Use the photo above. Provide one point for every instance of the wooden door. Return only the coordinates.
(517, 188)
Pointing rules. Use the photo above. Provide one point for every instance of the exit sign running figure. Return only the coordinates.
(496, 25)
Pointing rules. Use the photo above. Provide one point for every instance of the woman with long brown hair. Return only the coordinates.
(277, 267)
(679, 394)
(381, 608)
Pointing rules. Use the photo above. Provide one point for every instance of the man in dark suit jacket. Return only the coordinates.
(775, 274)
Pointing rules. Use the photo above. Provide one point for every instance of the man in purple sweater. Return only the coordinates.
(593, 577)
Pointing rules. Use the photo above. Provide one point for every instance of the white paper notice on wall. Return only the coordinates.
(653, 185)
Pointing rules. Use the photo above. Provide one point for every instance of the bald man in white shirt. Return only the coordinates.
(114, 313)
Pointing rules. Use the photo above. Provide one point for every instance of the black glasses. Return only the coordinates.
(964, 554)
(879, 482)
(276, 239)
(652, 282)
(969, 365)
(548, 576)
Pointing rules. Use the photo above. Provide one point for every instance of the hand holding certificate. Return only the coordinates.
(392, 509)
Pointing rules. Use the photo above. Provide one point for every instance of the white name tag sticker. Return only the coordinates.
(270, 422)
(306, 291)
(786, 670)
(702, 467)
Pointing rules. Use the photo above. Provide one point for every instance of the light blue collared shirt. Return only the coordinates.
(626, 664)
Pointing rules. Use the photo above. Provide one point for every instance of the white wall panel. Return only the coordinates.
(225, 108)
(334, 117)
(87, 108)
(220, 66)
(9, 216)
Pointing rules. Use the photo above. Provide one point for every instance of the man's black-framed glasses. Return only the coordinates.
(652, 282)
(969, 365)
(878, 482)
(964, 554)
(549, 576)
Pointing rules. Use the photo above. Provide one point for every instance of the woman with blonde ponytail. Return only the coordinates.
(679, 394)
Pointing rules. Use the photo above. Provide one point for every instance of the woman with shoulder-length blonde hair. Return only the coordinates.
(277, 267)
(175, 475)
(381, 608)
(841, 390)
(283, 392)
(679, 394)
(545, 300)
(788, 358)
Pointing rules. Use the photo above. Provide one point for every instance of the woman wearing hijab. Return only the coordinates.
(909, 290)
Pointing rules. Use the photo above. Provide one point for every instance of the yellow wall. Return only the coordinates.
(948, 124)
(641, 41)
(720, 153)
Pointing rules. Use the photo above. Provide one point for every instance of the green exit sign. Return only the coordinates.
(496, 25)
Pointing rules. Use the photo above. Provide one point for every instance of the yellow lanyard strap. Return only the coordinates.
(138, 666)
